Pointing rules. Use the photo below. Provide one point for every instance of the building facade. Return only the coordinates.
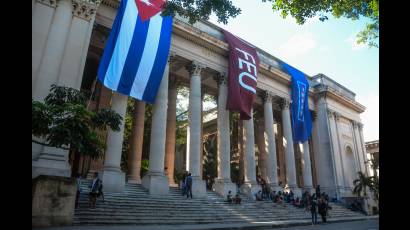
(68, 38)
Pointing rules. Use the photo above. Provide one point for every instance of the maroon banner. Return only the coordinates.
(242, 77)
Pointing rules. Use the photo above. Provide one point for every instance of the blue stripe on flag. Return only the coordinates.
(160, 61)
(133, 59)
(112, 39)
(148, 57)
(122, 45)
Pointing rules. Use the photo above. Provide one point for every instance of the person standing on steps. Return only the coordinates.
(318, 191)
(189, 186)
(322, 209)
(94, 189)
(313, 209)
(183, 183)
(77, 197)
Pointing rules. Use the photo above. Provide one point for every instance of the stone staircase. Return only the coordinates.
(134, 206)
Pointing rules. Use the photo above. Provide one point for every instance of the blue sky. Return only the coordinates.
(316, 47)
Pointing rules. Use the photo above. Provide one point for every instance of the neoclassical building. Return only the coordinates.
(68, 38)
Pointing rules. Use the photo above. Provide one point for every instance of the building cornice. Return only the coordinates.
(270, 70)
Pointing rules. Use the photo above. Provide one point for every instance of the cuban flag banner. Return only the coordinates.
(301, 118)
(137, 50)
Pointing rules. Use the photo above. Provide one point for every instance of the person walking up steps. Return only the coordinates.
(189, 186)
(313, 209)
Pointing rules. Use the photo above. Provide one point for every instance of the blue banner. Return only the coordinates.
(300, 114)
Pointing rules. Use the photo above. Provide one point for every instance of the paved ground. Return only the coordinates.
(371, 223)
(353, 225)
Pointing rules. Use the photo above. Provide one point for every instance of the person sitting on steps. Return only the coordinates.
(229, 197)
(237, 199)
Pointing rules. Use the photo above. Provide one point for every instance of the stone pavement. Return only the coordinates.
(372, 224)
(334, 223)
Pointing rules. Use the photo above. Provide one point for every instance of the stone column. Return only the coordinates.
(155, 180)
(171, 131)
(289, 150)
(272, 166)
(336, 153)
(223, 183)
(194, 129)
(325, 170)
(306, 166)
(49, 66)
(250, 186)
(45, 70)
(344, 183)
(113, 178)
(42, 17)
(137, 137)
(241, 151)
(260, 141)
(76, 49)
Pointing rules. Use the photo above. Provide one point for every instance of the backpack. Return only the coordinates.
(96, 187)
(189, 181)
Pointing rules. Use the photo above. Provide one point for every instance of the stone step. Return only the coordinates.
(136, 206)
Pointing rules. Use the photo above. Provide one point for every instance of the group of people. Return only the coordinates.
(317, 203)
(236, 199)
(96, 190)
(186, 185)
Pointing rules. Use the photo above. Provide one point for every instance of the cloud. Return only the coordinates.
(370, 118)
(298, 44)
(324, 48)
(352, 40)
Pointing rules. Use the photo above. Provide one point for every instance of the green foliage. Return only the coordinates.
(202, 9)
(301, 10)
(210, 163)
(127, 133)
(178, 176)
(144, 167)
(63, 121)
(361, 184)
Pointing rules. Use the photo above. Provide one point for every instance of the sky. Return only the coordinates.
(316, 47)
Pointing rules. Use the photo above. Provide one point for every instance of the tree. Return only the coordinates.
(301, 10)
(63, 121)
(361, 184)
(201, 9)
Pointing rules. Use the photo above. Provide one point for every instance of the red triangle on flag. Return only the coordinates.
(149, 8)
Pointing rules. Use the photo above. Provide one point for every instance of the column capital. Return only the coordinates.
(194, 68)
(285, 103)
(266, 96)
(355, 124)
(172, 57)
(337, 115)
(173, 81)
(50, 3)
(221, 78)
(360, 125)
(313, 114)
(85, 9)
(330, 112)
(321, 91)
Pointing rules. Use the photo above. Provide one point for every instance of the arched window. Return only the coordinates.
(349, 150)
(349, 167)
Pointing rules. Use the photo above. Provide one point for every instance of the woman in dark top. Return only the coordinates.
(322, 209)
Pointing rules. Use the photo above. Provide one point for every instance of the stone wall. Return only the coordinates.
(53, 201)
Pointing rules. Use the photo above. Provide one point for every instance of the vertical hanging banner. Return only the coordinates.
(301, 118)
(242, 75)
(137, 49)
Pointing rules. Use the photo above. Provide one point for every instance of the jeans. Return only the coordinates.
(189, 191)
(314, 217)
